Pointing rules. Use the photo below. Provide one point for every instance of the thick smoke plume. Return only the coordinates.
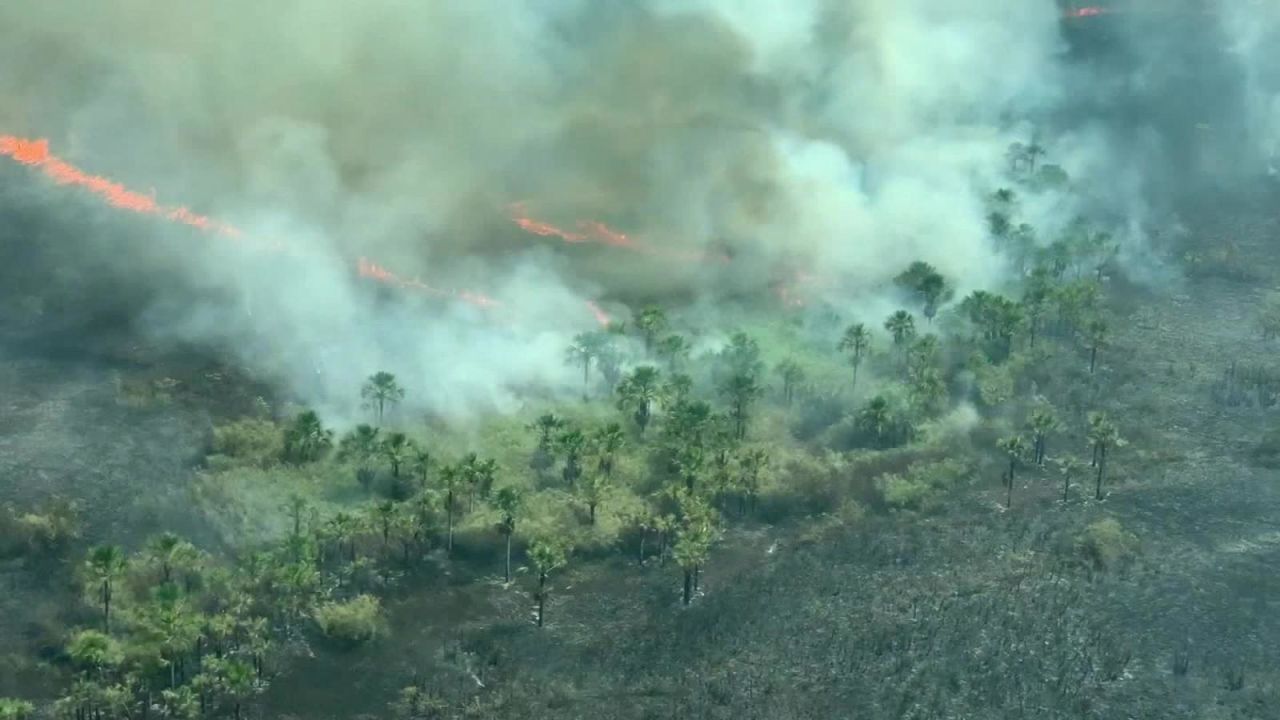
(794, 137)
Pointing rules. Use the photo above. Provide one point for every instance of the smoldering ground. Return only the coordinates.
(846, 139)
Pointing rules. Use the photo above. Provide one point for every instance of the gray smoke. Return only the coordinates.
(824, 137)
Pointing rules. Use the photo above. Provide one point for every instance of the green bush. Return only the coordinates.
(902, 492)
(922, 485)
(1105, 544)
(16, 709)
(247, 442)
(42, 533)
(351, 623)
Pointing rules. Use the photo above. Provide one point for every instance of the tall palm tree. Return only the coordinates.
(361, 446)
(1071, 468)
(572, 443)
(1015, 448)
(547, 555)
(595, 487)
(638, 393)
(876, 417)
(479, 476)
(171, 553)
(421, 466)
(694, 536)
(901, 326)
(383, 515)
(856, 341)
(1043, 421)
(752, 465)
(509, 500)
(1095, 333)
(651, 322)
(585, 349)
(927, 284)
(397, 450)
(342, 527)
(605, 443)
(450, 476)
(547, 425)
(105, 565)
(676, 389)
(307, 439)
(923, 354)
(381, 391)
(675, 349)
(792, 375)
(741, 391)
(1103, 435)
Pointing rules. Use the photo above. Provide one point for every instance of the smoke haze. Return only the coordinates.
(841, 139)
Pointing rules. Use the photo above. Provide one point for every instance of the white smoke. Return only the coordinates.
(834, 138)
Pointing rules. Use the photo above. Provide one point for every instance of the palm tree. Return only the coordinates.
(170, 552)
(901, 326)
(742, 356)
(450, 476)
(547, 555)
(479, 476)
(239, 682)
(105, 565)
(752, 465)
(397, 450)
(792, 375)
(694, 537)
(638, 393)
(877, 418)
(509, 500)
(675, 349)
(605, 443)
(593, 492)
(342, 527)
(1071, 468)
(1033, 152)
(380, 391)
(586, 349)
(923, 354)
(422, 467)
(651, 322)
(926, 283)
(361, 446)
(297, 507)
(1095, 333)
(1015, 447)
(1103, 435)
(307, 439)
(676, 389)
(856, 341)
(384, 516)
(547, 425)
(572, 444)
(1043, 421)
(741, 391)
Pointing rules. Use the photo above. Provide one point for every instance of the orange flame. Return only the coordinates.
(596, 231)
(602, 317)
(35, 153)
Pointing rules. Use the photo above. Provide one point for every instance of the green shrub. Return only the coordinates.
(922, 485)
(351, 623)
(16, 709)
(247, 442)
(1105, 544)
(42, 533)
(902, 492)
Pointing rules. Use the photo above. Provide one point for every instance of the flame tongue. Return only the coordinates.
(598, 232)
(35, 153)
